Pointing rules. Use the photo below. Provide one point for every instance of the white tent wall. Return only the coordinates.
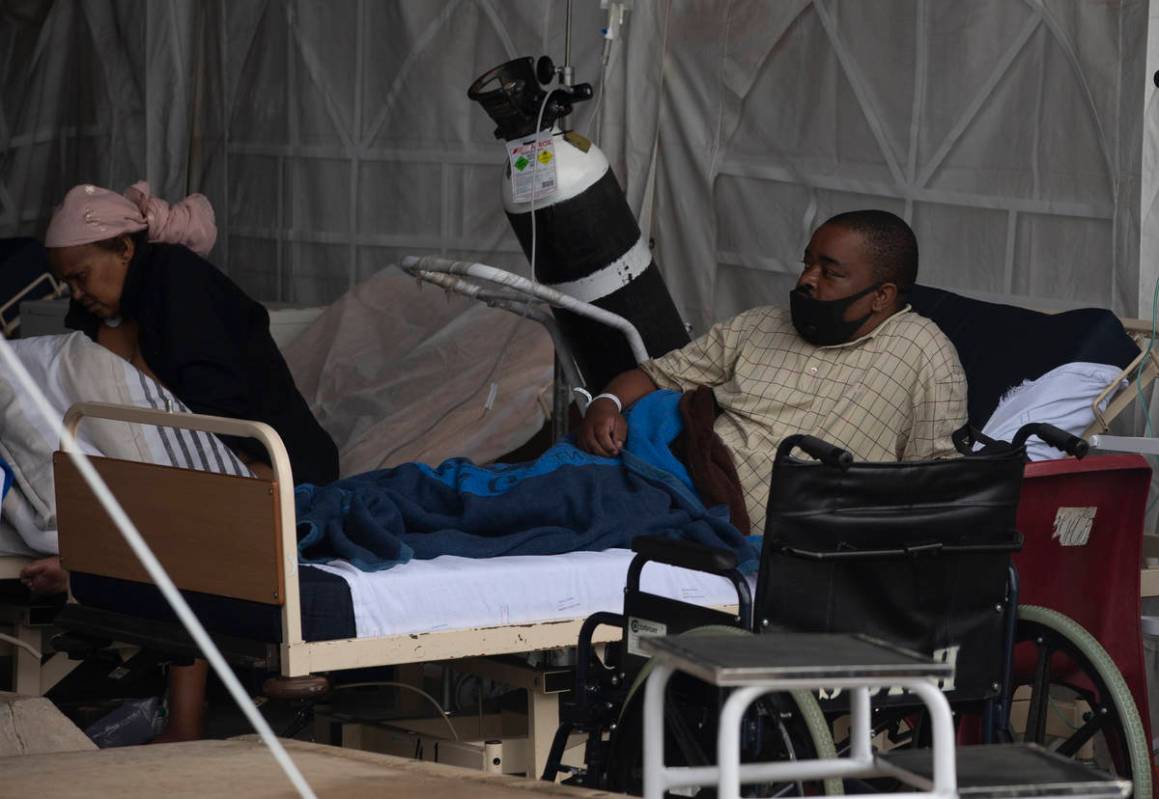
(344, 137)
(96, 92)
(333, 136)
(1149, 168)
(1007, 133)
(330, 136)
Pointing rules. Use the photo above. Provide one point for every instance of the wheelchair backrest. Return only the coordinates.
(916, 553)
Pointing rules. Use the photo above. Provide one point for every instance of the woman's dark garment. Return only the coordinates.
(210, 344)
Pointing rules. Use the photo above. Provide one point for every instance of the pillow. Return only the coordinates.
(1061, 397)
(71, 369)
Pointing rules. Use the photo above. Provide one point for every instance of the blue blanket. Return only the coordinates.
(566, 500)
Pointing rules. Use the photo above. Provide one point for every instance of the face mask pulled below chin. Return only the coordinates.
(822, 322)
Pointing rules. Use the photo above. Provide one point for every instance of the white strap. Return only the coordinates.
(613, 398)
(610, 278)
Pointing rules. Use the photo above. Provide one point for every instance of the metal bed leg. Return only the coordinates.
(26, 673)
(542, 722)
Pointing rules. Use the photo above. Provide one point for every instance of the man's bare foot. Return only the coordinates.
(45, 576)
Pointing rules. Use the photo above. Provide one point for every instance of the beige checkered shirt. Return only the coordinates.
(895, 394)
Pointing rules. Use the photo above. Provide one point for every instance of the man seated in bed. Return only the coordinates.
(848, 362)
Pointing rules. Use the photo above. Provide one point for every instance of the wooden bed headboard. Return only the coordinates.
(214, 533)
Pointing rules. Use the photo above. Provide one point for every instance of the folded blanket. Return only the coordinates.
(567, 500)
(708, 457)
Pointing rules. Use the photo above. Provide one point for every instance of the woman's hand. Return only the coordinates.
(45, 576)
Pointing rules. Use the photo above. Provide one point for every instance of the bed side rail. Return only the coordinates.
(1138, 375)
(9, 326)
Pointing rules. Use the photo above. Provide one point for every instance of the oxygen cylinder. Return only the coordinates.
(587, 242)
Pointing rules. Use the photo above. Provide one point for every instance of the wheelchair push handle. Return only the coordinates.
(828, 454)
(1055, 437)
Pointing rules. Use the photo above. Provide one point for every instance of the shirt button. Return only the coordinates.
(812, 370)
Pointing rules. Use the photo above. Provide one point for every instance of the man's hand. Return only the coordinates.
(45, 577)
(604, 429)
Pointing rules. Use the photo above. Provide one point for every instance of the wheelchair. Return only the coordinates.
(917, 554)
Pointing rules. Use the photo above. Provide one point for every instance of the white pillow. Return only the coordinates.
(70, 369)
(1061, 397)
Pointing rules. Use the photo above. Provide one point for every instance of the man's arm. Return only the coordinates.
(939, 406)
(604, 428)
(707, 361)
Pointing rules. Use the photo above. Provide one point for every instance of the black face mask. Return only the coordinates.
(822, 322)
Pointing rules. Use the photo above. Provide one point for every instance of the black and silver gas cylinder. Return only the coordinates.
(588, 244)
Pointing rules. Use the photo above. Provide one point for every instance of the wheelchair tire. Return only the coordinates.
(1053, 632)
(809, 728)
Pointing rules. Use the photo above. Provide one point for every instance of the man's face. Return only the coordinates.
(95, 276)
(836, 266)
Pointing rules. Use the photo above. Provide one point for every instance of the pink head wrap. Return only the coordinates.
(90, 213)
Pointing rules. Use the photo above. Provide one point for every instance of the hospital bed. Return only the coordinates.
(231, 541)
(434, 321)
(35, 309)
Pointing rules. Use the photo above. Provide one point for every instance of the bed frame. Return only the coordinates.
(196, 521)
(25, 627)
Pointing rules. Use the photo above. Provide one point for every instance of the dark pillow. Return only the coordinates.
(22, 260)
(1001, 346)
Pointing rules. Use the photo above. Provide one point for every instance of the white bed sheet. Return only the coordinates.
(453, 593)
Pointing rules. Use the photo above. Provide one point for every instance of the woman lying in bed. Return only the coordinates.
(141, 288)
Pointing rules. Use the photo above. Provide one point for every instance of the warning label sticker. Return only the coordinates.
(532, 169)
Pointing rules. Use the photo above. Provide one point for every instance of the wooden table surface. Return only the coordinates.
(244, 768)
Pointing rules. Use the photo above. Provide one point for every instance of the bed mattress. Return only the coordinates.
(446, 593)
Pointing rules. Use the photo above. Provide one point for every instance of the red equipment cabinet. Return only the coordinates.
(1095, 582)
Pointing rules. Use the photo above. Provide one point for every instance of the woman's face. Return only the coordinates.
(95, 275)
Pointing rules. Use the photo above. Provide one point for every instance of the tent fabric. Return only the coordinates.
(1020, 138)
(398, 372)
(333, 137)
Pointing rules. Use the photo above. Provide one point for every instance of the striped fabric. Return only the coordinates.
(186, 449)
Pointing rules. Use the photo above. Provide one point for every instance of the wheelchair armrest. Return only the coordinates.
(690, 555)
(685, 554)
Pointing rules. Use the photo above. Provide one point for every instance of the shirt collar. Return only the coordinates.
(855, 342)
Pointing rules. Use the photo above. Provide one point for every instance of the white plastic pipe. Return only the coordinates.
(516, 302)
(412, 264)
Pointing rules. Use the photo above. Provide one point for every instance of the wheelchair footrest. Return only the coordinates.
(1010, 771)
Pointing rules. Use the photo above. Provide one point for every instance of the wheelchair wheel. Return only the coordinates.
(1070, 666)
(777, 727)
